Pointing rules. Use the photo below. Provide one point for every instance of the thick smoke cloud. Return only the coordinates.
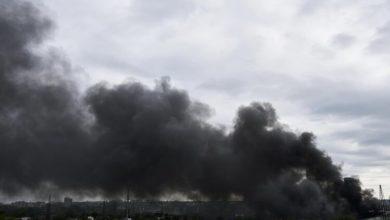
(156, 141)
(151, 141)
(41, 136)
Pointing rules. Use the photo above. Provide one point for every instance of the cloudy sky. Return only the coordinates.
(322, 64)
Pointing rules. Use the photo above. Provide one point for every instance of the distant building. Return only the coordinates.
(120, 209)
(68, 201)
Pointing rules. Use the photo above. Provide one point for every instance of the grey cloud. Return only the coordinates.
(343, 40)
(325, 95)
(374, 132)
(310, 6)
(330, 97)
(229, 86)
(353, 102)
(271, 84)
(322, 52)
(381, 43)
(366, 157)
(160, 11)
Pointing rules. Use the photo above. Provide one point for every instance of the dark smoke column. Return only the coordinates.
(42, 131)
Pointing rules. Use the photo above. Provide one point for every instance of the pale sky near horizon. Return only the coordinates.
(323, 65)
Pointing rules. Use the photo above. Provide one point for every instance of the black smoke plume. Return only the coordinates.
(151, 141)
(42, 135)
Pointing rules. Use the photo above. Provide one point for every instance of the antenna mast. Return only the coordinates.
(104, 210)
(48, 209)
(127, 203)
(382, 200)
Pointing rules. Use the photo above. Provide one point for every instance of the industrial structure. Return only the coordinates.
(384, 203)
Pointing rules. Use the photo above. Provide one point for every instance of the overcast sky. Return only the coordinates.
(322, 64)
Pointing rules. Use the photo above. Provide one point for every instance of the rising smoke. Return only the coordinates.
(152, 141)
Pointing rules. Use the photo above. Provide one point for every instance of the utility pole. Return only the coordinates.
(382, 200)
(104, 210)
(127, 203)
(48, 209)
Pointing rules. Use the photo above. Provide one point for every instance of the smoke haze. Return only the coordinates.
(152, 141)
